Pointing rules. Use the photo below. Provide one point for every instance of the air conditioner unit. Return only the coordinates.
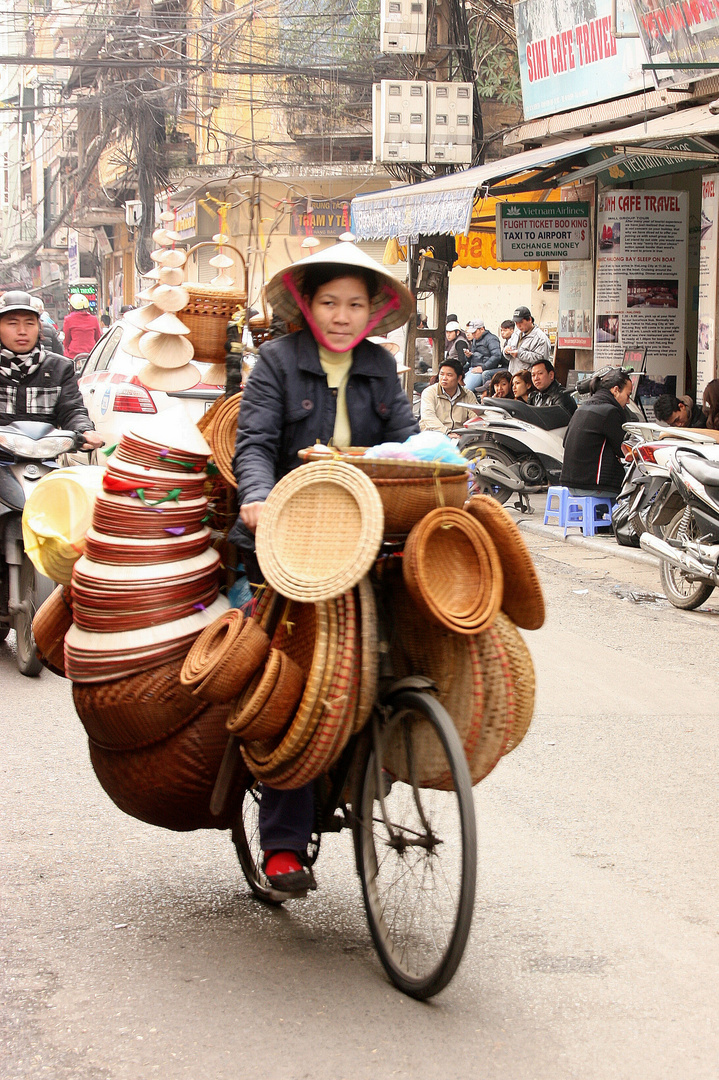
(59, 238)
(449, 122)
(133, 212)
(402, 127)
(403, 26)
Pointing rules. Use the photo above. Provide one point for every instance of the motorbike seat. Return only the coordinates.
(548, 417)
(706, 472)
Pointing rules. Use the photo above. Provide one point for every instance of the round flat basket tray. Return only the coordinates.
(206, 316)
(222, 435)
(320, 531)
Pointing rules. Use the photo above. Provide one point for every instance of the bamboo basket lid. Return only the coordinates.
(523, 680)
(522, 600)
(222, 435)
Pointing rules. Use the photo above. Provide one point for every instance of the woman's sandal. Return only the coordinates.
(293, 875)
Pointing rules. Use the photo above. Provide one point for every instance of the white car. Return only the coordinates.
(114, 396)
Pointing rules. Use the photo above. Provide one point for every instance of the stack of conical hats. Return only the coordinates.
(154, 331)
(149, 581)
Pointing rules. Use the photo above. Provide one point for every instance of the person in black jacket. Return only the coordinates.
(35, 384)
(326, 383)
(593, 440)
(547, 391)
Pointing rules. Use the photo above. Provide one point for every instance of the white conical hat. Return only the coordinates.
(167, 323)
(166, 350)
(138, 318)
(170, 379)
(173, 428)
(341, 255)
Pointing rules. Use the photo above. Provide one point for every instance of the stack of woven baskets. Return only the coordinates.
(142, 593)
(452, 606)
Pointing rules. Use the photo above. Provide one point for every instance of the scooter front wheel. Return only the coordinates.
(479, 485)
(34, 591)
(678, 589)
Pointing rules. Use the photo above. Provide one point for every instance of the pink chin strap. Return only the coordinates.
(393, 303)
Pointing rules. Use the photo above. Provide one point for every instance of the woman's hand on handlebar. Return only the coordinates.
(250, 514)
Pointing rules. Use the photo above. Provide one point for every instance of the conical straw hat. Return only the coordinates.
(169, 379)
(167, 323)
(138, 318)
(172, 428)
(170, 298)
(166, 350)
(347, 256)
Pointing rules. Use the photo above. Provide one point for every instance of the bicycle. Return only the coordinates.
(415, 846)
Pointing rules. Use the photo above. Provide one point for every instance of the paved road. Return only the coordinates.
(131, 953)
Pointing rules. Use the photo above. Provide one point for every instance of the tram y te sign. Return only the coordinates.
(527, 232)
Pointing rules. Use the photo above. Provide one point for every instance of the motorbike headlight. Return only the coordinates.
(36, 450)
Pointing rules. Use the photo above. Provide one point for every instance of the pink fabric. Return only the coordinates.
(392, 304)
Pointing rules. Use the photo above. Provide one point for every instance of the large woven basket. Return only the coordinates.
(206, 316)
(170, 783)
(137, 711)
(384, 468)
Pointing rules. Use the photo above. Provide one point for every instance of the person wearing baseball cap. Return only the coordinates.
(443, 406)
(36, 384)
(485, 357)
(456, 342)
(81, 328)
(529, 344)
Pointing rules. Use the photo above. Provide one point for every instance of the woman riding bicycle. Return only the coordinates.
(328, 384)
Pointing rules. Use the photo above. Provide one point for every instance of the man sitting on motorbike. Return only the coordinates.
(678, 412)
(444, 405)
(36, 384)
(547, 391)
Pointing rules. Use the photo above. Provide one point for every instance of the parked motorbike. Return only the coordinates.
(648, 500)
(689, 550)
(514, 448)
(27, 453)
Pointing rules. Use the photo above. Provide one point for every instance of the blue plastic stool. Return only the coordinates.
(588, 513)
(560, 495)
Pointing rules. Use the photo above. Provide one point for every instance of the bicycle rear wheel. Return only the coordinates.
(416, 847)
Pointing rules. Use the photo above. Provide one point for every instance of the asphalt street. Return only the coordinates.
(131, 952)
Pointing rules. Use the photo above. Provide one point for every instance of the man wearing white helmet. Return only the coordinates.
(81, 327)
(36, 384)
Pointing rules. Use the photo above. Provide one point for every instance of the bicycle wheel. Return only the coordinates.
(246, 838)
(416, 847)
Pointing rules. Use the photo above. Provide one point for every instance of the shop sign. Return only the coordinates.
(641, 279)
(568, 57)
(708, 284)
(328, 217)
(645, 166)
(186, 221)
(679, 32)
(88, 289)
(528, 231)
(575, 327)
(73, 256)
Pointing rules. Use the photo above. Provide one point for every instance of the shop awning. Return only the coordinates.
(445, 204)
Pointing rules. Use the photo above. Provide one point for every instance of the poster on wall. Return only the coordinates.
(640, 292)
(679, 32)
(576, 289)
(708, 295)
(569, 58)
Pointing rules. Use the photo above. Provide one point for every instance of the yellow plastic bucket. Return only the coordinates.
(56, 517)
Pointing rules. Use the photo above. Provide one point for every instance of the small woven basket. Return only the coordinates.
(52, 621)
(224, 658)
(209, 310)
(269, 702)
(406, 501)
